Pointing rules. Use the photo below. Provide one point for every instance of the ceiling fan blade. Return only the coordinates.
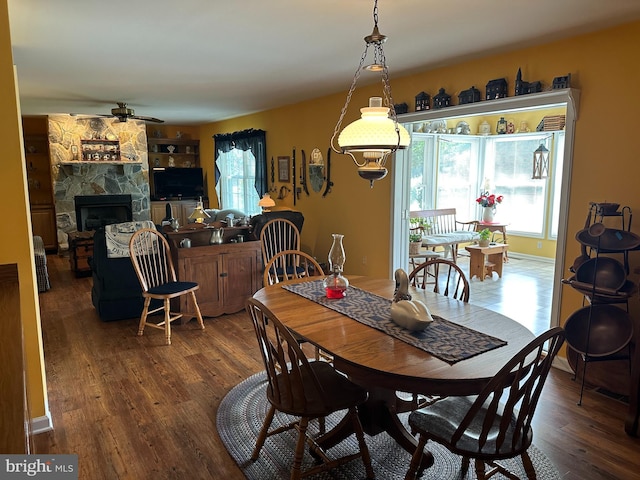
(147, 119)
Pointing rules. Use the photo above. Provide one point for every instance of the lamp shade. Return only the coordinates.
(375, 131)
(266, 202)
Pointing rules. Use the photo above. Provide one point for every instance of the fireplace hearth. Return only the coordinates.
(95, 211)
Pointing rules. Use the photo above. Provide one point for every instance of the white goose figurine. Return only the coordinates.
(410, 314)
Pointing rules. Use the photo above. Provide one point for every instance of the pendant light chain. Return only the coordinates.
(377, 134)
(352, 88)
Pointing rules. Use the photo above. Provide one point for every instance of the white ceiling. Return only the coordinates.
(199, 61)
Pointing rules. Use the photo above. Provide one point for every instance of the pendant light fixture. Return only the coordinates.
(377, 133)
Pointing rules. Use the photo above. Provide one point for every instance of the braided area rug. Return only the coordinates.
(244, 408)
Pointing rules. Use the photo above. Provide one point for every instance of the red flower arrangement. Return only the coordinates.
(489, 200)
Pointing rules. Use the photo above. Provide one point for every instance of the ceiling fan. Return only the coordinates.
(123, 113)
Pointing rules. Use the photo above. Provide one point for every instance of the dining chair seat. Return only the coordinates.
(172, 288)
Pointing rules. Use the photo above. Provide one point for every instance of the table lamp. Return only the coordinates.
(266, 202)
(198, 215)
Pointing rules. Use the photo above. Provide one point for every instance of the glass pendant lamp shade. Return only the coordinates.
(374, 132)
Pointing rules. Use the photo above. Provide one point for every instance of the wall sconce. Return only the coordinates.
(198, 215)
(377, 133)
(540, 163)
(266, 202)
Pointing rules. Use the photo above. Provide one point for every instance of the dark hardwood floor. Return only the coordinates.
(133, 408)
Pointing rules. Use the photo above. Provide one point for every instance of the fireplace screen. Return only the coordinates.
(95, 211)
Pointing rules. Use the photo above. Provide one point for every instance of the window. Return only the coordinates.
(236, 186)
(451, 170)
(509, 166)
(241, 169)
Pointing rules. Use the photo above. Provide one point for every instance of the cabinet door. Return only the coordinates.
(43, 224)
(186, 208)
(205, 270)
(239, 279)
(159, 211)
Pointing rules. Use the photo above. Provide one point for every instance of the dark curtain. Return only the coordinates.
(254, 140)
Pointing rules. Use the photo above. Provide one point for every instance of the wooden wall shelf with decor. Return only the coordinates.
(173, 152)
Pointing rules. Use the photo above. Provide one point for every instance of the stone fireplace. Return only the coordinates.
(73, 176)
(95, 211)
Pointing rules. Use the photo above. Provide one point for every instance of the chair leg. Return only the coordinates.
(528, 466)
(364, 450)
(416, 459)
(296, 469)
(263, 433)
(197, 310)
(143, 316)
(167, 321)
(480, 469)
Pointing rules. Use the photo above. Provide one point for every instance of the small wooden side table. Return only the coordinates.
(495, 227)
(80, 249)
(494, 254)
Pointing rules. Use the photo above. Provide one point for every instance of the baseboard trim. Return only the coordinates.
(42, 424)
(562, 363)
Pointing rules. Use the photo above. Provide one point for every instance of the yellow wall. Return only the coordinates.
(605, 164)
(16, 242)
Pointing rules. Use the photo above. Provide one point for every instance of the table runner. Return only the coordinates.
(446, 340)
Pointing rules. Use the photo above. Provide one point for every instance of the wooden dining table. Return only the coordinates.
(384, 364)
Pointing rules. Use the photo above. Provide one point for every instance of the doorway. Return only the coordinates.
(525, 106)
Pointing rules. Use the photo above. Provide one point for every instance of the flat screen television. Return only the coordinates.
(175, 182)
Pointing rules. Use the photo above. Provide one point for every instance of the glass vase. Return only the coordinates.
(335, 284)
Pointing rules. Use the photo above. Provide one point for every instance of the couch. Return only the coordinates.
(116, 293)
(216, 215)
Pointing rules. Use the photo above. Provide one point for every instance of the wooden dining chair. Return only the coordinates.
(448, 278)
(151, 257)
(303, 389)
(496, 424)
(290, 265)
(277, 235)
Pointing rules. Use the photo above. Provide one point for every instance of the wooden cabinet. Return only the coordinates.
(173, 152)
(38, 168)
(228, 275)
(43, 223)
(180, 209)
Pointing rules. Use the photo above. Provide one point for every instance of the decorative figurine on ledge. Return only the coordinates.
(469, 96)
(401, 108)
(522, 87)
(423, 102)
(496, 89)
(562, 82)
(442, 99)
